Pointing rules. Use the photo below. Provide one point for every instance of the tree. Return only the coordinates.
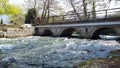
(30, 17)
(1, 10)
(85, 6)
(93, 10)
(18, 19)
(92, 5)
(44, 8)
(96, 5)
(85, 9)
(1, 22)
(74, 9)
(79, 6)
(9, 9)
(2, 6)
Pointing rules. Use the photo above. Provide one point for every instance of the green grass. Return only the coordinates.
(82, 64)
(89, 62)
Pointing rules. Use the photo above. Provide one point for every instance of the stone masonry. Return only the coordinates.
(10, 33)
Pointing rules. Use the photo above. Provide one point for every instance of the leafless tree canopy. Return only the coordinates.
(48, 8)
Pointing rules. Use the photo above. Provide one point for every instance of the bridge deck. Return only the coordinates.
(82, 24)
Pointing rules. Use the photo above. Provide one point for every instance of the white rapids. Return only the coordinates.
(55, 52)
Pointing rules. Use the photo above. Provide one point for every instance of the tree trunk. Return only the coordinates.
(71, 2)
(93, 11)
(85, 9)
(43, 18)
(35, 4)
(1, 21)
(43, 12)
(48, 8)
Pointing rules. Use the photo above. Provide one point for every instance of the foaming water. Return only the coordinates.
(55, 52)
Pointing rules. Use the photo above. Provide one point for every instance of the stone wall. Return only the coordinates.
(10, 33)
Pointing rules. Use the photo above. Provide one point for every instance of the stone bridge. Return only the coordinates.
(88, 30)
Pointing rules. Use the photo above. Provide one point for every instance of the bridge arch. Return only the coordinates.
(103, 31)
(47, 32)
(70, 32)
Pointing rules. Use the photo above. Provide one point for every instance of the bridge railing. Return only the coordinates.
(100, 14)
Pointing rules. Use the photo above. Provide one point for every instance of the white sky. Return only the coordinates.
(19, 2)
(16, 2)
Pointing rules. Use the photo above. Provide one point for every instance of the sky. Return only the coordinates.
(16, 2)
(5, 19)
(19, 2)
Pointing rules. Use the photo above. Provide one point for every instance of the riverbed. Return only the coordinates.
(39, 52)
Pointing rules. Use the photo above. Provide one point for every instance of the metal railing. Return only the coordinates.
(100, 14)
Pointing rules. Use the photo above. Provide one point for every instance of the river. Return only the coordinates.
(38, 52)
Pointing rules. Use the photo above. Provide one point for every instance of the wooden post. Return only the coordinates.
(105, 13)
(63, 18)
(89, 15)
(53, 19)
(74, 16)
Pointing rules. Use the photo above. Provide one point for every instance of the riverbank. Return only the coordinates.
(113, 61)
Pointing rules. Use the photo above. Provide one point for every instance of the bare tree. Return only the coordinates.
(74, 9)
(46, 10)
(85, 8)
(49, 7)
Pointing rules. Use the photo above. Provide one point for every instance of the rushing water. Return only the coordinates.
(37, 52)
